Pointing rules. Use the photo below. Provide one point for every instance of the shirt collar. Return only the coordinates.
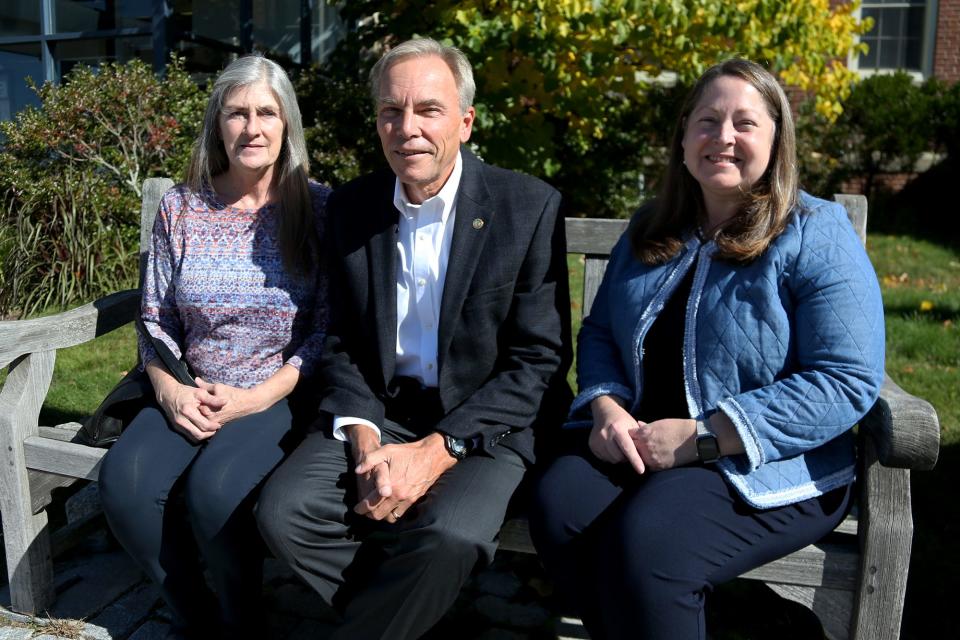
(444, 198)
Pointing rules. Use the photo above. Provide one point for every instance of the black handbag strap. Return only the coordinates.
(176, 367)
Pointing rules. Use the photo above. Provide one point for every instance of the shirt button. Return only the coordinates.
(421, 282)
(429, 366)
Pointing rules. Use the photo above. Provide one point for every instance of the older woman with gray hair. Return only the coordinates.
(234, 286)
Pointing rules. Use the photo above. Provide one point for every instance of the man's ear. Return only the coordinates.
(466, 123)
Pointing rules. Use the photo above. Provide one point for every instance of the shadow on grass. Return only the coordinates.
(937, 314)
(54, 416)
(923, 207)
(935, 561)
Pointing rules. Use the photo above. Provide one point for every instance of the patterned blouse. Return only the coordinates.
(216, 284)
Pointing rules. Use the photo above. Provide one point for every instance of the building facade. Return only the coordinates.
(921, 37)
(44, 39)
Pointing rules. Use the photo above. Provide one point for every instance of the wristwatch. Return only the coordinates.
(457, 447)
(708, 449)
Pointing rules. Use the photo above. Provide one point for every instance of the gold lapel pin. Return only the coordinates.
(478, 223)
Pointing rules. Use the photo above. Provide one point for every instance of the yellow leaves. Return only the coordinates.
(926, 305)
(891, 280)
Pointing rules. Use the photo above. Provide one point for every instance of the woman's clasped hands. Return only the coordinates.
(200, 411)
(618, 437)
(189, 409)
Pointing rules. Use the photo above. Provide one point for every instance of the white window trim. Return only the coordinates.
(929, 37)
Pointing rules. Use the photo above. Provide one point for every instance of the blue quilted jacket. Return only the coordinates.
(789, 346)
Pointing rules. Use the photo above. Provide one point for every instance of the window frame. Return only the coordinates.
(927, 43)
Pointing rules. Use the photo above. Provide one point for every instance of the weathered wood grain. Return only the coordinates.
(825, 564)
(65, 458)
(25, 537)
(592, 236)
(67, 329)
(885, 541)
(153, 190)
(856, 206)
(593, 270)
(42, 484)
(904, 428)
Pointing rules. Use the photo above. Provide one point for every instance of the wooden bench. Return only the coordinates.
(854, 579)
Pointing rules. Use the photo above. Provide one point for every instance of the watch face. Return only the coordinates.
(456, 447)
(707, 448)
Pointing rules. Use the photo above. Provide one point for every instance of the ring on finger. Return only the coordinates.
(395, 514)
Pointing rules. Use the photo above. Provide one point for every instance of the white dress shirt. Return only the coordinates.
(424, 234)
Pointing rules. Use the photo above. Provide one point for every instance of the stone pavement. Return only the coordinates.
(101, 595)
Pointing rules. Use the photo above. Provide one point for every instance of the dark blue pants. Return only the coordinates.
(388, 580)
(171, 502)
(636, 554)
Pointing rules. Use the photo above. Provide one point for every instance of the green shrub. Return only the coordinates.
(946, 117)
(339, 125)
(887, 123)
(70, 179)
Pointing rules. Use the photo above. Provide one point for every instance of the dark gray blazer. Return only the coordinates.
(504, 335)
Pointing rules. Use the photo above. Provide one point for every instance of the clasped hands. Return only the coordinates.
(647, 446)
(199, 412)
(392, 477)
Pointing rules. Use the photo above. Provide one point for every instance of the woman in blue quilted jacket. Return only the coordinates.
(735, 340)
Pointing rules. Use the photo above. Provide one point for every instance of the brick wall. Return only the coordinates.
(946, 51)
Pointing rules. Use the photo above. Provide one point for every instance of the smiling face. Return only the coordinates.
(727, 142)
(252, 128)
(420, 123)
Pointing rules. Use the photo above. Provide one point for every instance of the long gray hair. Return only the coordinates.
(297, 232)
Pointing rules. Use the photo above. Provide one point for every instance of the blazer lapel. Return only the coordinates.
(382, 261)
(469, 234)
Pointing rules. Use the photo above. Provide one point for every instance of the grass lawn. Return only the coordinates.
(921, 289)
(921, 294)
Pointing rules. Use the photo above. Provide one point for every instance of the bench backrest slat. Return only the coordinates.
(153, 190)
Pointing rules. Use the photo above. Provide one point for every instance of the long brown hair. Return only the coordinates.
(679, 207)
(297, 231)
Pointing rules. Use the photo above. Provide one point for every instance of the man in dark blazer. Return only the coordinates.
(448, 345)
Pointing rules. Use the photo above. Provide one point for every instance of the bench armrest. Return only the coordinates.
(904, 428)
(73, 327)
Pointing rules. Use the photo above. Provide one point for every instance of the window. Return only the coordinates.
(899, 38)
(17, 63)
(45, 39)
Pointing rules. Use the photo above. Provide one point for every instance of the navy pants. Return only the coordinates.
(176, 506)
(388, 580)
(637, 554)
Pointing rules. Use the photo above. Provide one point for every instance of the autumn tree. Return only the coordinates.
(581, 93)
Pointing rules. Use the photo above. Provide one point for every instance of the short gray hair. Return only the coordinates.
(210, 158)
(422, 47)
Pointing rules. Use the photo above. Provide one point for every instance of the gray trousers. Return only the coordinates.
(387, 580)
